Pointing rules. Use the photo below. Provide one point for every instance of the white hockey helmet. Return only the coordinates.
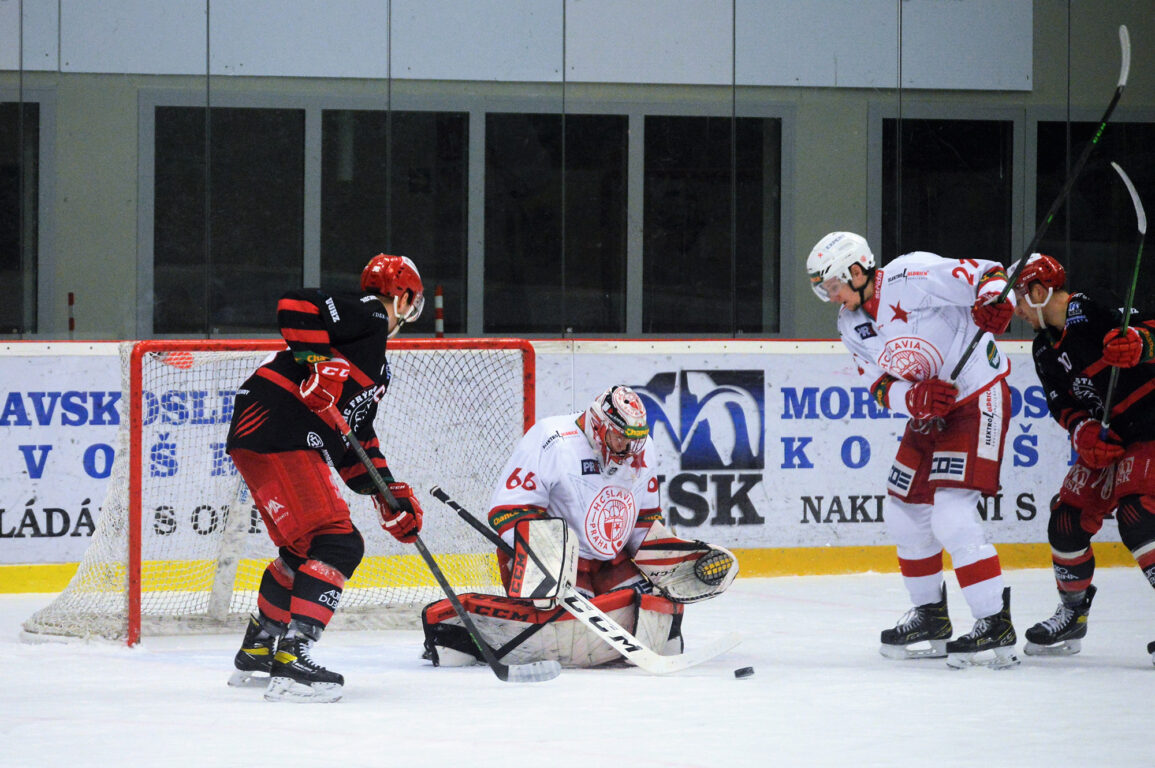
(616, 416)
(829, 261)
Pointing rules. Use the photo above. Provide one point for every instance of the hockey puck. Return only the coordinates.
(744, 672)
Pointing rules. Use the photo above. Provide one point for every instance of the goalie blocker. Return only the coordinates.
(529, 626)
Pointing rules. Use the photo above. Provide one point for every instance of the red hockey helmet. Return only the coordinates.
(395, 276)
(1040, 268)
(616, 416)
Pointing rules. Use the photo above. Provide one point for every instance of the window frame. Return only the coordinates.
(476, 106)
(878, 111)
(48, 323)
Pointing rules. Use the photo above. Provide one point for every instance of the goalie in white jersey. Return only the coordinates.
(595, 471)
(907, 326)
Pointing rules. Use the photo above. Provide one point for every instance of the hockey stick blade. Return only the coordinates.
(1141, 221)
(611, 633)
(533, 672)
(1072, 177)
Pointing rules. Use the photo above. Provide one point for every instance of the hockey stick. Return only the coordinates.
(1141, 218)
(612, 633)
(1076, 170)
(532, 672)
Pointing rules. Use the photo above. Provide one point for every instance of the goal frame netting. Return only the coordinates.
(446, 420)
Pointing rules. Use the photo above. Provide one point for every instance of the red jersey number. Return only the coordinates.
(515, 480)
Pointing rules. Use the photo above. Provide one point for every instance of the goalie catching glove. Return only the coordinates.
(684, 571)
(404, 523)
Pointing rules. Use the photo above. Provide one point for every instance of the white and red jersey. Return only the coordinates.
(918, 323)
(553, 471)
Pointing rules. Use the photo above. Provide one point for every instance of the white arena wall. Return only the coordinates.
(772, 448)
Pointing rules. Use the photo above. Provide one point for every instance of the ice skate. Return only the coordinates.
(255, 658)
(296, 677)
(1151, 650)
(990, 633)
(925, 626)
(1063, 633)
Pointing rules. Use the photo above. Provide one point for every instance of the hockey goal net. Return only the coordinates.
(179, 546)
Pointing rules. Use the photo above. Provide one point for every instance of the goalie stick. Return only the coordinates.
(1141, 219)
(1076, 170)
(611, 633)
(532, 672)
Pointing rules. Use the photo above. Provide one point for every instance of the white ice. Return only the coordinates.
(821, 695)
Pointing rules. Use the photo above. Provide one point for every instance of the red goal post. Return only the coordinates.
(179, 546)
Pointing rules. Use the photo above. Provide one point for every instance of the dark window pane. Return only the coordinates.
(415, 208)
(954, 185)
(532, 283)
(711, 224)
(1094, 234)
(19, 215)
(256, 204)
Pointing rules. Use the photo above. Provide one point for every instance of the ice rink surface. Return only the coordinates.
(821, 695)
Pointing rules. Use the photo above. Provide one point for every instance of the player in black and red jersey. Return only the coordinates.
(283, 440)
(1079, 338)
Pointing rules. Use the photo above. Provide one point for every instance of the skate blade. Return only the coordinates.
(248, 679)
(1003, 658)
(286, 689)
(1063, 648)
(935, 650)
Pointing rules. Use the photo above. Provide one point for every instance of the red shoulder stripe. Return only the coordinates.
(297, 305)
(305, 337)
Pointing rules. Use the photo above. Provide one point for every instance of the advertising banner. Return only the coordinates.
(759, 444)
(60, 411)
(779, 444)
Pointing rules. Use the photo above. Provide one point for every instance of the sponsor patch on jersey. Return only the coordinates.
(947, 465)
(865, 331)
(332, 307)
(906, 273)
(590, 467)
(899, 479)
(990, 423)
(1075, 313)
(993, 356)
(314, 440)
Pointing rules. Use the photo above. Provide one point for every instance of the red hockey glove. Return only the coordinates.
(405, 523)
(992, 315)
(1093, 450)
(930, 398)
(1126, 349)
(323, 386)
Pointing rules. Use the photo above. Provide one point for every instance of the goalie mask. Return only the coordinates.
(395, 276)
(615, 425)
(829, 262)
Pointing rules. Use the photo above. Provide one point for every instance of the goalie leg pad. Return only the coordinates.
(520, 633)
(685, 571)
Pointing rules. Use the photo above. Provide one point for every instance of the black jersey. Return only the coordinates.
(269, 415)
(1071, 368)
